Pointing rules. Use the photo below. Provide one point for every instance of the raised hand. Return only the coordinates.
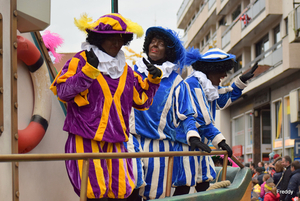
(153, 70)
(249, 74)
(92, 58)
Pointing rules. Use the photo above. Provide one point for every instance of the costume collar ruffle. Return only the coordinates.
(166, 68)
(108, 65)
(210, 90)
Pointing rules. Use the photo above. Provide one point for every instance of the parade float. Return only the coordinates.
(31, 119)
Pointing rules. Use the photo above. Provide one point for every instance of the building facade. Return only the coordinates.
(266, 117)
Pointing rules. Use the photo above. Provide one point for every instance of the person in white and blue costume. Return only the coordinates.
(208, 70)
(155, 129)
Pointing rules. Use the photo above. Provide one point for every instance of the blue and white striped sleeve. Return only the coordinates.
(205, 122)
(184, 112)
(227, 95)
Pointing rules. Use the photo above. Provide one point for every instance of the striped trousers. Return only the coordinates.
(187, 170)
(155, 169)
(111, 178)
(190, 170)
(133, 146)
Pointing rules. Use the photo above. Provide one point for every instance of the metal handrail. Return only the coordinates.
(87, 156)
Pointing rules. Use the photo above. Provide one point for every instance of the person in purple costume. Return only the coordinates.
(100, 90)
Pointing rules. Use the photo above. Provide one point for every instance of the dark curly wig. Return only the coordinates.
(170, 50)
(97, 39)
(214, 67)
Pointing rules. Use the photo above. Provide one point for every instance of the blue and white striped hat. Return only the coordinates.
(214, 59)
(216, 55)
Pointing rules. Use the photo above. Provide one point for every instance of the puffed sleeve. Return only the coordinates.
(205, 122)
(73, 81)
(183, 115)
(227, 95)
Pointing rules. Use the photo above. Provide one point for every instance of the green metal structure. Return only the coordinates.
(239, 178)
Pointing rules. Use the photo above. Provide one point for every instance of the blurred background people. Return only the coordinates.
(286, 162)
(271, 192)
(294, 183)
(277, 176)
(262, 186)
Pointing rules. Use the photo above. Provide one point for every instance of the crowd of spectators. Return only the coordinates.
(276, 180)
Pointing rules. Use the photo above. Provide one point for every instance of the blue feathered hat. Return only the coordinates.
(179, 49)
(214, 60)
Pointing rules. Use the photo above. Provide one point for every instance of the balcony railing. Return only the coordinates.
(253, 11)
(297, 18)
(210, 42)
(182, 8)
(226, 37)
(271, 58)
(197, 14)
(211, 3)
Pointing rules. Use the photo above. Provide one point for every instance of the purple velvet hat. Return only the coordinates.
(112, 23)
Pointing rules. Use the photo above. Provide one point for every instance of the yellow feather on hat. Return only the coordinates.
(134, 28)
(84, 22)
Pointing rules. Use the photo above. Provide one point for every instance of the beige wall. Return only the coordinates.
(274, 6)
(291, 52)
(5, 138)
(223, 123)
(219, 36)
(287, 6)
(246, 55)
(241, 106)
(220, 5)
(235, 35)
(293, 57)
(284, 89)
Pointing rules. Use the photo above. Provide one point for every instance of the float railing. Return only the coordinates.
(87, 156)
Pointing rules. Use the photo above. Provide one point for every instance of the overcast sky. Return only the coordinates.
(145, 12)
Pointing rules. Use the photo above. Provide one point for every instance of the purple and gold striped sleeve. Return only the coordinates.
(144, 91)
(74, 79)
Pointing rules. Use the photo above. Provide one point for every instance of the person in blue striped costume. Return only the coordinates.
(208, 70)
(155, 129)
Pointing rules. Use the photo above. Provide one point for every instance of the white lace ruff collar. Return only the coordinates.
(112, 66)
(166, 68)
(210, 90)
